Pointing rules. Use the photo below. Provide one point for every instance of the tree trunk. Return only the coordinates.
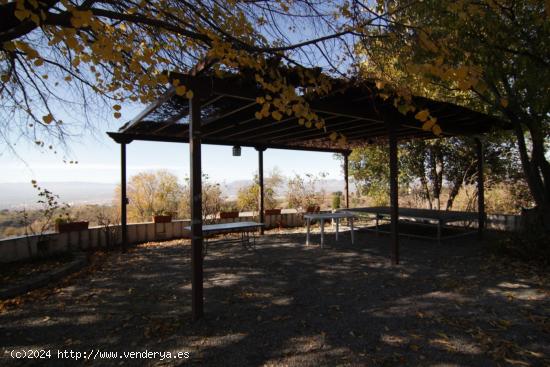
(427, 195)
(455, 188)
(536, 168)
(435, 160)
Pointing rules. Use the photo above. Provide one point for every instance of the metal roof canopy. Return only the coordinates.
(229, 104)
(222, 113)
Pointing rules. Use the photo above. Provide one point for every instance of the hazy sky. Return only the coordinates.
(99, 161)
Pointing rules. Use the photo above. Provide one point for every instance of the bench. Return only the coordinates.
(420, 217)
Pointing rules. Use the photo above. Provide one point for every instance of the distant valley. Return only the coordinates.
(22, 194)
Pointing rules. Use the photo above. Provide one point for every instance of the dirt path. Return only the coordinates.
(290, 305)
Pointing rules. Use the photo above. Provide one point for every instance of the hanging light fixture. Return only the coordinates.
(236, 151)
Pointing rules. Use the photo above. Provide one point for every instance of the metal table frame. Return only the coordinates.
(247, 231)
(440, 217)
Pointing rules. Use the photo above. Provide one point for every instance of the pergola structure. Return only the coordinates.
(222, 112)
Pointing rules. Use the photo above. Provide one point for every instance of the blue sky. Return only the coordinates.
(99, 156)
(99, 160)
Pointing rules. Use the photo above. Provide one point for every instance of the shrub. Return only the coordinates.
(529, 246)
(336, 199)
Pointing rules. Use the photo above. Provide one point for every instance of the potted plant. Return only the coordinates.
(162, 217)
(229, 215)
(67, 224)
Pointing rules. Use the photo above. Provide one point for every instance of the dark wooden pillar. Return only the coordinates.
(346, 177)
(123, 198)
(394, 197)
(197, 301)
(261, 184)
(480, 189)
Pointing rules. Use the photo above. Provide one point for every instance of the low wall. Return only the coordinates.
(21, 248)
(504, 222)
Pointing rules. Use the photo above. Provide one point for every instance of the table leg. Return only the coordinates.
(322, 232)
(439, 231)
(307, 235)
(351, 229)
(205, 247)
(337, 223)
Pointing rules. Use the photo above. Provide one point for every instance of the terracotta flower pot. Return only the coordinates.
(71, 226)
(162, 218)
(228, 215)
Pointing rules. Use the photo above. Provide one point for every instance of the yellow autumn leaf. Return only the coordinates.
(117, 107)
(71, 42)
(22, 14)
(163, 79)
(427, 126)
(189, 94)
(504, 102)
(117, 115)
(422, 115)
(333, 136)
(47, 118)
(276, 115)
(180, 91)
(437, 130)
(8, 46)
(76, 22)
(258, 115)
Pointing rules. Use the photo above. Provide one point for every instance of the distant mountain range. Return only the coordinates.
(21, 194)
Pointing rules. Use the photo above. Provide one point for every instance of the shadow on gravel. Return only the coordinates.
(287, 304)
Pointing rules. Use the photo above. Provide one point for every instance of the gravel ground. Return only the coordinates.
(16, 273)
(285, 304)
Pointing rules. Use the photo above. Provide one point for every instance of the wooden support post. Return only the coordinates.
(123, 198)
(346, 178)
(480, 189)
(261, 184)
(394, 197)
(197, 301)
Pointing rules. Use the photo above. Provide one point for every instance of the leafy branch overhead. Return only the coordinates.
(119, 50)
